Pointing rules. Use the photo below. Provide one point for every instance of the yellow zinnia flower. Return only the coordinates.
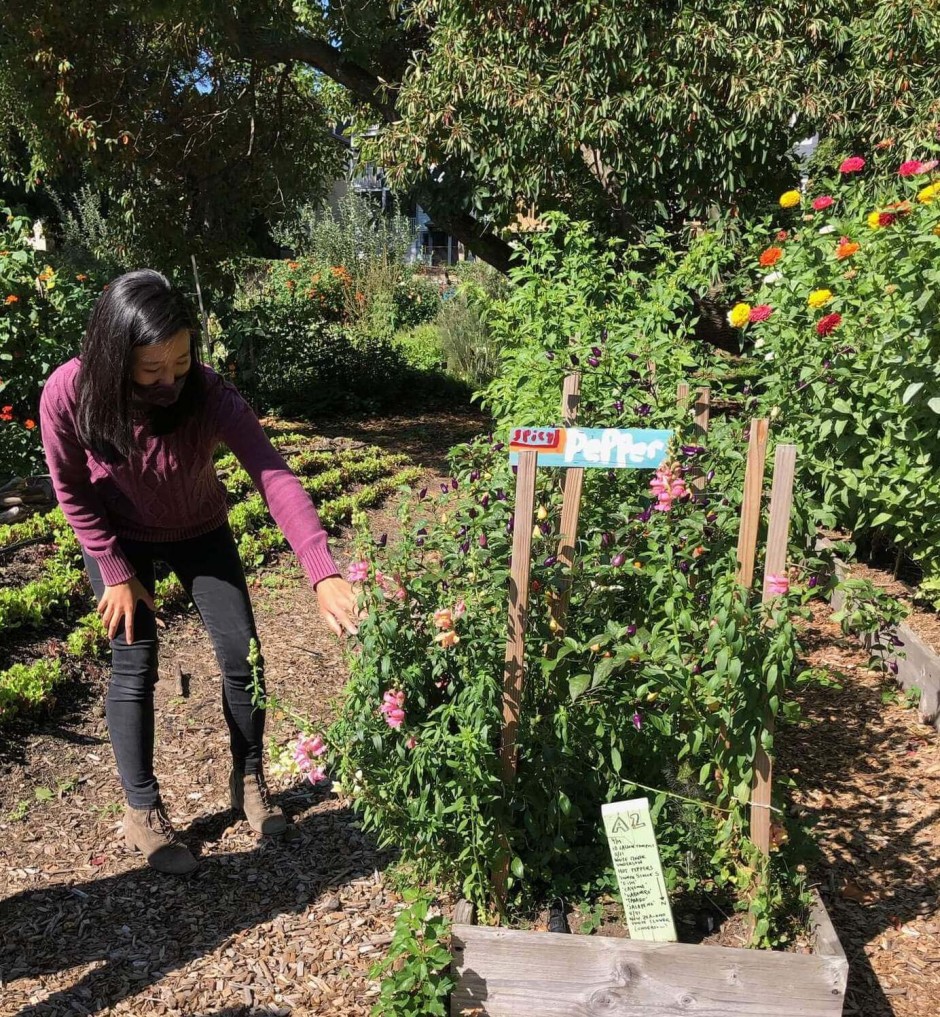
(936, 231)
(790, 199)
(739, 315)
(819, 298)
(874, 220)
(930, 193)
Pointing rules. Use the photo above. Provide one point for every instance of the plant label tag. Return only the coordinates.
(604, 448)
(639, 870)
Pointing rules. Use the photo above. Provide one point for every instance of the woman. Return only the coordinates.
(129, 430)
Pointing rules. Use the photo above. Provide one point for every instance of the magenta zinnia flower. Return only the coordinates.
(852, 165)
(911, 168)
(823, 202)
(828, 324)
(760, 313)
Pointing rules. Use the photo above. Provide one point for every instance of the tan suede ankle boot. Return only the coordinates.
(250, 795)
(150, 831)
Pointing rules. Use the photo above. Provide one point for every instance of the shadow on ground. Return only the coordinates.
(137, 926)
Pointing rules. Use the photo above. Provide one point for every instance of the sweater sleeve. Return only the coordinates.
(71, 481)
(288, 502)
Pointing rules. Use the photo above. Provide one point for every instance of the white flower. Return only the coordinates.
(758, 343)
(827, 229)
(774, 412)
(773, 278)
(769, 356)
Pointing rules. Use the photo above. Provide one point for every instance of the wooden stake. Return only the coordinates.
(573, 484)
(518, 609)
(202, 310)
(700, 430)
(682, 394)
(750, 506)
(775, 564)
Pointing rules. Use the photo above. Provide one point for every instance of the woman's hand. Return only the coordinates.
(338, 605)
(119, 604)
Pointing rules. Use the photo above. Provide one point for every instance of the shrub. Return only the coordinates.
(421, 348)
(840, 310)
(42, 317)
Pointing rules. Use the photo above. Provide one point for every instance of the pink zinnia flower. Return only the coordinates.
(823, 202)
(357, 572)
(778, 586)
(393, 708)
(852, 165)
(911, 168)
(760, 313)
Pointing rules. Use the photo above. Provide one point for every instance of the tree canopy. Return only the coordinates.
(210, 117)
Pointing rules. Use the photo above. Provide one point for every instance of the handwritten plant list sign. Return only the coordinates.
(601, 448)
(639, 870)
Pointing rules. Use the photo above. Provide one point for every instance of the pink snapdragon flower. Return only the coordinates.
(307, 749)
(393, 708)
(357, 572)
(460, 609)
(444, 619)
(316, 775)
(668, 485)
(778, 586)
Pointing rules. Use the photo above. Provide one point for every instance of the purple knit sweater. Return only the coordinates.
(168, 489)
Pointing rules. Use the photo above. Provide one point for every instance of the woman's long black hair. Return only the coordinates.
(137, 309)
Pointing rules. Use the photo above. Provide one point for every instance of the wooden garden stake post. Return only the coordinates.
(750, 506)
(573, 484)
(775, 564)
(702, 410)
(518, 609)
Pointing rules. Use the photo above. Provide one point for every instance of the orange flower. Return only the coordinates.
(846, 249)
(12, 299)
(293, 265)
(29, 424)
(290, 284)
(771, 256)
(81, 277)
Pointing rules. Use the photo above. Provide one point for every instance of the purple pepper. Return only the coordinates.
(603, 335)
(893, 666)
(696, 669)
(474, 476)
(481, 540)
(813, 582)
(549, 355)
(472, 513)
(546, 528)
(711, 517)
(463, 530)
(423, 493)
(631, 630)
(550, 561)
(485, 500)
(644, 410)
(453, 483)
(646, 515)
(383, 540)
(606, 539)
(465, 547)
(683, 566)
(618, 405)
(574, 360)
(596, 351)
(594, 362)
(618, 560)
(444, 489)
(710, 476)
(515, 470)
(692, 450)
(511, 525)
(500, 495)
(499, 446)
(896, 642)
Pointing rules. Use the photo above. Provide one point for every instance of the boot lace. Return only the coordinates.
(263, 792)
(158, 819)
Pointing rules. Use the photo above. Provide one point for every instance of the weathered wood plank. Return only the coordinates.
(572, 485)
(505, 973)
(750, 506)
(775, 564)
(518, 609)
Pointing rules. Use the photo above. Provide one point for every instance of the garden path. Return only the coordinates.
(293, 926)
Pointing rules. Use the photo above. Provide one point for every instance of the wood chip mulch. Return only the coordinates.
(868, 775)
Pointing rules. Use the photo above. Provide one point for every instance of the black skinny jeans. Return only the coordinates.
(211, 573)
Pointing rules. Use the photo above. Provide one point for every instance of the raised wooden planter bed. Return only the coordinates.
(509, 973)
(918, 665)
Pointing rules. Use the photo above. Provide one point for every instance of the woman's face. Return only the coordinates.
(162, 363)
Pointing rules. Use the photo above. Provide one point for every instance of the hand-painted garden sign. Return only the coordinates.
(607, 448)
(639, 870)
